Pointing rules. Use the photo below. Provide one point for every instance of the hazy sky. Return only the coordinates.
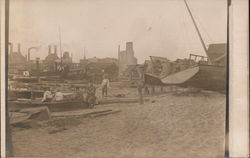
(157, 27)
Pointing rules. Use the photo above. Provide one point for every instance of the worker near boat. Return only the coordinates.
(91, 95)
(48, 95)
(105, 85)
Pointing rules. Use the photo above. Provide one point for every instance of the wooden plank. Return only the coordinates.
(120, 100)
(105, 113)
(84, 112)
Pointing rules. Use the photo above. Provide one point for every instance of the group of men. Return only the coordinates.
(49, 95)
(90, 92)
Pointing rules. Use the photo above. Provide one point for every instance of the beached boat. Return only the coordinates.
(208, 77)
(19, 99)
(211, 75)
(53, 106)
(26, 79)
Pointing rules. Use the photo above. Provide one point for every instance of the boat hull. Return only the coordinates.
(152, 80)
(53, 106)
(207, 77)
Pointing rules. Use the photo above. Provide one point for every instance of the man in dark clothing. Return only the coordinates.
(140, 85)
(146, 90)
(91, 98)
(79, 94)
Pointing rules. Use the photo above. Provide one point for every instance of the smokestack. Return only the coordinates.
(129, 46)
(49, 50)
(55, 49)
(119, 50)
(37, 64)
(19, 48)
(10, 48)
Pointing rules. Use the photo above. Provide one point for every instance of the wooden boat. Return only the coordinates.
(25, 79)
(208, 77)
(53, 106)
(26, 94)
(151, 79)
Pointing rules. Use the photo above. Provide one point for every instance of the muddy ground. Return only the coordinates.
(173, 124)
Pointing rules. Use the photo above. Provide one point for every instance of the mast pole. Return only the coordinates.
(84, 54)
(197, 29)
(60, 41)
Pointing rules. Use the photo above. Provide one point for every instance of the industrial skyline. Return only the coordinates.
(166, 31)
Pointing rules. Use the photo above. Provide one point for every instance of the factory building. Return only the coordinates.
(126, 58)
(51, 59)
(66, 58)
(16, 61)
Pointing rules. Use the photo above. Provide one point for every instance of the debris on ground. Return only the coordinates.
(120, 95)
(105, 113)
(38, 114)
(57, 130)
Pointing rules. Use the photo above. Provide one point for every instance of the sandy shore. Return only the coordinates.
(167, 126)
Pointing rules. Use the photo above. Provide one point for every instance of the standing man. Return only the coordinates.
(79, 94)
(140, 85)
(146, 90)
(105, 85)
(91, 98)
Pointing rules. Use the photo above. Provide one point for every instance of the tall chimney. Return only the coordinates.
(55, 49)
(129, 46)
(10, 48)
(49, 50)
(119, 50)
(19, 48)
(37, 64)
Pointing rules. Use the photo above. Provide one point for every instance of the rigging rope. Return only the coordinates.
(204, 30)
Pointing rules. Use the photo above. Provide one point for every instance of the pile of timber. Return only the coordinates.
(28, 114)
(95, 112)
(119, 100)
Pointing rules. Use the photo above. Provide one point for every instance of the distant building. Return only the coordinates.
(126, 57)
(217, 53)
(109, 60)
(66, 59)
(93, 60)
(95, 68)
(51, 59)
(99, 60)
(16, 61)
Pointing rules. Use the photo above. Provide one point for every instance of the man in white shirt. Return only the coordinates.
(105, 85)
(58, 95)
(47, 96)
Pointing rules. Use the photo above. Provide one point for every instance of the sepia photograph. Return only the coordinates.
(117, 78)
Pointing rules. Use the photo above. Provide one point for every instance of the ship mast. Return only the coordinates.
(197, 29)
(60, 42)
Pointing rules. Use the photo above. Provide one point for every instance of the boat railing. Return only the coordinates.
(196, 57)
